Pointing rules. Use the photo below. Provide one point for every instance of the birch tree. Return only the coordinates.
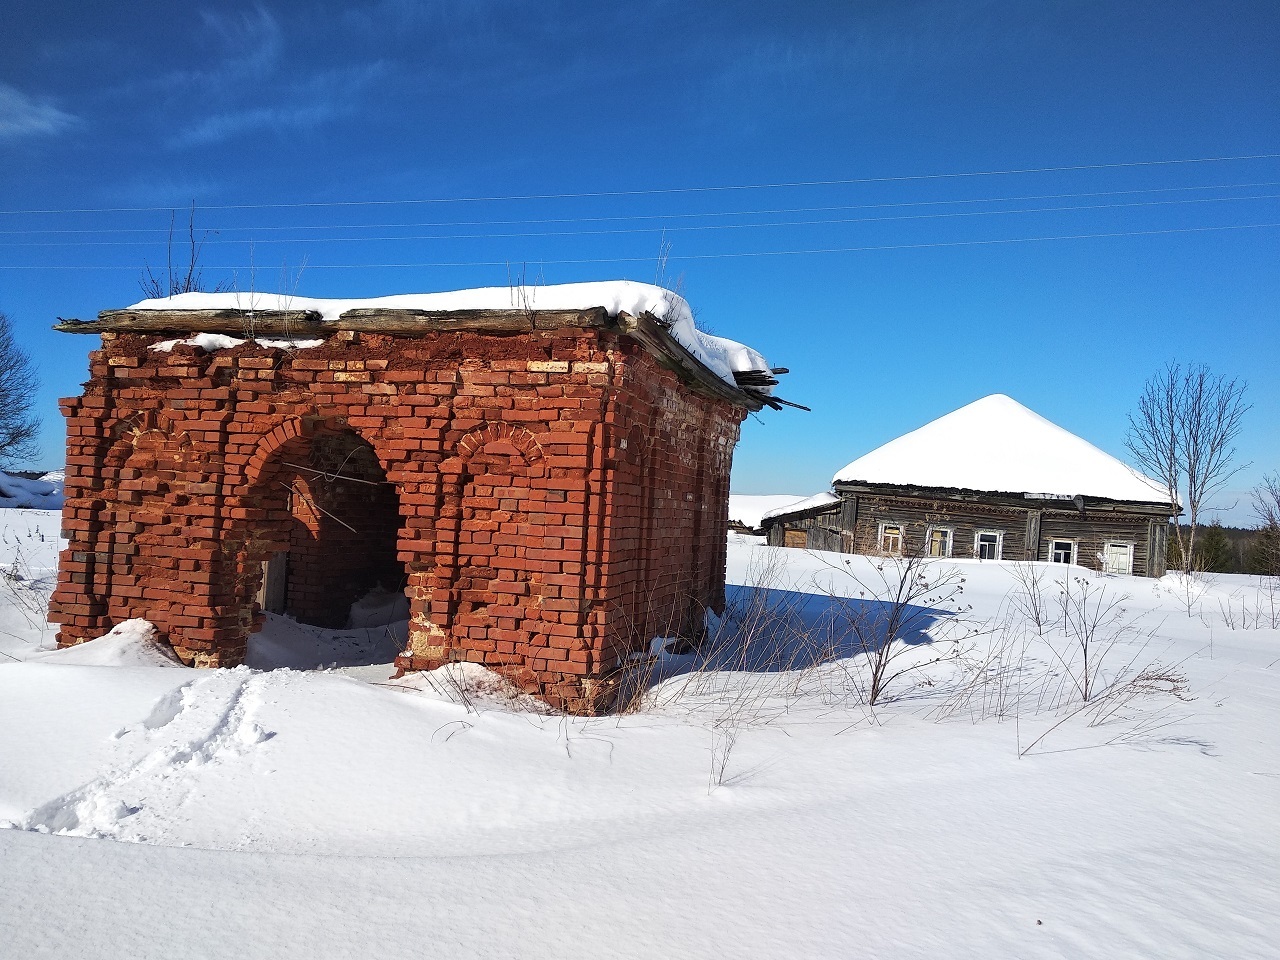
(1183, 434)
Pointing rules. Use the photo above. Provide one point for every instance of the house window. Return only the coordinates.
(1062, 551)
(1117, 558)
(795, 538)
(939, 541)
(891, 539)
(987, 544)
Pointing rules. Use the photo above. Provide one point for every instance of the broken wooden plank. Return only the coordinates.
(649, 332)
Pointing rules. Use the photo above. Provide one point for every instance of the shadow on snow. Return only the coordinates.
(768, 630)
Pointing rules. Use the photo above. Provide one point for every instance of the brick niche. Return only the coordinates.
(549, 490)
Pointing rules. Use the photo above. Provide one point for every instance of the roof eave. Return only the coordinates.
(1029, 496)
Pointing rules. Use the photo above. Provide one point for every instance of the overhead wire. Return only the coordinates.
(666, 191)
(718, 256)
(109, 231)
(651, 230)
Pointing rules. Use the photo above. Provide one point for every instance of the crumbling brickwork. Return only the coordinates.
(549, 500)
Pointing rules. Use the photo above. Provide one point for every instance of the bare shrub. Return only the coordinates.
(991, 684)
(1117, 702)
(1030, 598)
(1240, 611)
(23, 588)
(186, 276)
(897, 605)
(1094, 620)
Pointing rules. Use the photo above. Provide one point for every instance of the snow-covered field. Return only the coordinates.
(977, 810)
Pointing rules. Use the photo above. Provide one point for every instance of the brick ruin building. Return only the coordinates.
(548, 483)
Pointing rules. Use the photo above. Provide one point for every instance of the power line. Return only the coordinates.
(830, 222)
(839, 221)
(111, 231)
(659, 191)
(718, 256)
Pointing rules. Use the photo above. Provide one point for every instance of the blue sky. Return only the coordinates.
(898, 126)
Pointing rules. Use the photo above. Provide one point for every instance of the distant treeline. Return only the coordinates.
(1231, 550)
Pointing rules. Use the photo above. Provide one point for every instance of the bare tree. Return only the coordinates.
(183, 278)
(1183, 434)
(1266, 505)
(18, 425)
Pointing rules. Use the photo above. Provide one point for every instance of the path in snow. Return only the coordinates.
(206, 721)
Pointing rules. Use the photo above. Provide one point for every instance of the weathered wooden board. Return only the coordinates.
(424, 322)
(233, 322)
(284, 322)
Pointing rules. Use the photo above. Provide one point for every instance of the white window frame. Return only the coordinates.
(1075, 547)
(977, 543)
(902, 537)
(1128, 571)
(951, 540)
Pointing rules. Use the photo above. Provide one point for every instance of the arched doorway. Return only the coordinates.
(322, 524)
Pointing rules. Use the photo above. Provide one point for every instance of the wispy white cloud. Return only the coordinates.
(295, 106)
(227, 126)
(253, 41)
(25, 116)
(250, 89)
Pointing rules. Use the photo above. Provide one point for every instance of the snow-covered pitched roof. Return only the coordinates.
(722, 356)
(826, 498)
(748, 509)
(997, 445)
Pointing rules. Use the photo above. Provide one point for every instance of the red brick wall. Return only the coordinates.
(554, 499)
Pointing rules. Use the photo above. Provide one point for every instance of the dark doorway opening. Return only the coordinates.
(331, 525)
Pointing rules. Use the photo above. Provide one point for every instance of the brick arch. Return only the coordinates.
(305, 427)
(479, 586)
(522, 442)
(280, 436)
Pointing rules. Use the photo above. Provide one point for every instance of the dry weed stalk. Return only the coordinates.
(1264, 613)
(908, 595)
(21, 587)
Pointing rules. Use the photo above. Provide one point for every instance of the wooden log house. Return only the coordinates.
(990, 481)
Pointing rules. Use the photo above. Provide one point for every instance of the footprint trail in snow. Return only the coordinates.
(204, 723)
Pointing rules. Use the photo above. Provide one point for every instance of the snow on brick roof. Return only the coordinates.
(997, 445)
(722, 356)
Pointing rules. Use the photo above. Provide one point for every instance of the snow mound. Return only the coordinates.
(133, 643)
(284, 643)
(997, 445)
(378, 608)
(722, 356)
(42, 494)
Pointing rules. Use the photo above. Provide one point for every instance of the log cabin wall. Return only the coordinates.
(1027, 528)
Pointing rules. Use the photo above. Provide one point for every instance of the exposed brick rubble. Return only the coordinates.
(549, 500)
